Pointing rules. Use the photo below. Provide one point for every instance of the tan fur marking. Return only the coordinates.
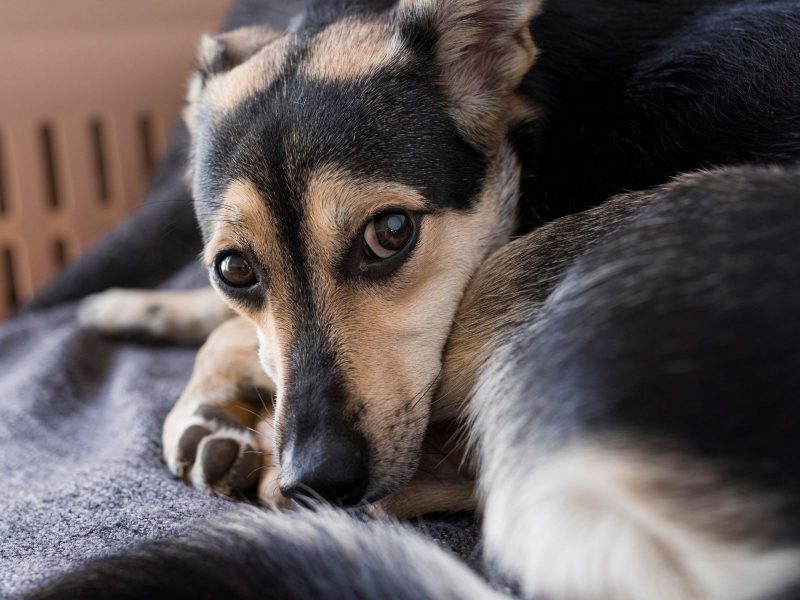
(269, 492)
(242, 213)
(353, 48)
(244, 218)
(426, 497)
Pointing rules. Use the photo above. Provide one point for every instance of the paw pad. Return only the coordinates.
(220, 458)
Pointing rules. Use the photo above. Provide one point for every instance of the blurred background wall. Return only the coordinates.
(89, 90)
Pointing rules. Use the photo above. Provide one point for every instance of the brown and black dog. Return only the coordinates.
(349, 178)
(392, 199)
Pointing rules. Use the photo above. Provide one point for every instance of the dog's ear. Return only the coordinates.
(220, 53)
(483, 48)
(217, 54)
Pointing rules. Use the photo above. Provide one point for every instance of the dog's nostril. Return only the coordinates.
(335, 471)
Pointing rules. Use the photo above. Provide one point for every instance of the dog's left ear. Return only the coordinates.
(483, 48)
(220, 53)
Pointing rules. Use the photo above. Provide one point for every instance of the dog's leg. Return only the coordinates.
(444, 482)
(185, 317)
(218, 435)
(425, 496)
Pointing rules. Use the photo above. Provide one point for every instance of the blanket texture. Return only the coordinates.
(81, 416)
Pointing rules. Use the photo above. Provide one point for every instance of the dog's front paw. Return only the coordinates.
(124, 313)
(214, 453)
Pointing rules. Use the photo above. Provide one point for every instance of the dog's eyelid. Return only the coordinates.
(394, 208)
(245, 250)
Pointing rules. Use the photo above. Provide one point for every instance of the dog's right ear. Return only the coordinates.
(220, 53)
(483, 49)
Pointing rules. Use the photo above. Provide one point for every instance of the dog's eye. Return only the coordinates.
(387, 234)
(383, 246)
(235, 271)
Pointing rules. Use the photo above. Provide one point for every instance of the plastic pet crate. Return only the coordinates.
(88, 92)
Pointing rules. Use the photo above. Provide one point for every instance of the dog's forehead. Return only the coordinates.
(379, 120)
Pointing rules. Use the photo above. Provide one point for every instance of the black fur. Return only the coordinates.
(391, 125)
(676, 325)
(255, 554)
(634, 92)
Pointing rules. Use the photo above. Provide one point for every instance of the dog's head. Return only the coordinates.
(349, 176)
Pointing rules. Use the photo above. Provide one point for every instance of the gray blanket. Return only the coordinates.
(81, 473)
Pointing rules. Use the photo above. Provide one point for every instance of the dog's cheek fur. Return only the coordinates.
(242, 221)
(511, 286)
(390, 339)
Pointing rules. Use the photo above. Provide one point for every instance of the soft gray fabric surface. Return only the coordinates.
(80, 453)
(81, 473)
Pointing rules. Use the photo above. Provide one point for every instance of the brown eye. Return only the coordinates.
(387, 234)
(235, 271)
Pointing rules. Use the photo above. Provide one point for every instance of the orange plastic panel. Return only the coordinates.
(88, 91)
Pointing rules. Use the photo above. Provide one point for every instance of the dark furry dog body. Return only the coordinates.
(629, 372)
(633, 93)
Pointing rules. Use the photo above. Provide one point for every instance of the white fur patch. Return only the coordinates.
(583, 525)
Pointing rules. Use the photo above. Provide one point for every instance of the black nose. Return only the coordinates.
(333, 468)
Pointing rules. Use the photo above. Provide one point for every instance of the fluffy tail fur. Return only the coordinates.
(301, 555)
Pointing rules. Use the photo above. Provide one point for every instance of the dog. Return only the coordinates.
(570, 226)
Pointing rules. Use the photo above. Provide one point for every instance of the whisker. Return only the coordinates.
(252, 412)
(261, 399)
(259, 433)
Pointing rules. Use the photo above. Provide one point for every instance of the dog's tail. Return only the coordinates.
(254, 554)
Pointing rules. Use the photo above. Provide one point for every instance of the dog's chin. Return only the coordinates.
(386, 483)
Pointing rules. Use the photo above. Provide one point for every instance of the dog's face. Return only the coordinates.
(349, 177)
